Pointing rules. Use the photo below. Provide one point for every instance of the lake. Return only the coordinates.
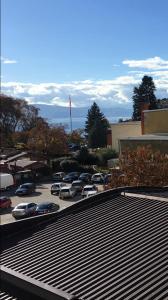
(79, 122)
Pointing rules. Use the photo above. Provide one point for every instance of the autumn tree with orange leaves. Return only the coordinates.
(46, 140)
(141, 167)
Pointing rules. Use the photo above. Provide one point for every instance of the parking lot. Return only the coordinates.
(42, 194)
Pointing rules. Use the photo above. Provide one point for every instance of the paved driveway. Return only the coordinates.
(42, 194)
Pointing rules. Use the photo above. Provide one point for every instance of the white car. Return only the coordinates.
(89, 190)
(67, 192)
(97, 178)
(55, 188)
(24, 210)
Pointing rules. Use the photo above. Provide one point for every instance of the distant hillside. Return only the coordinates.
(52, 112)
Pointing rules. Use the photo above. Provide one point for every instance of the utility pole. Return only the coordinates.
(70, 113)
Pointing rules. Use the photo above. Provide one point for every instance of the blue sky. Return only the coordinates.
(94, 50)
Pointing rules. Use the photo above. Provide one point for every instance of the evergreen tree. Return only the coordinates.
(144, 94)
(96, 127)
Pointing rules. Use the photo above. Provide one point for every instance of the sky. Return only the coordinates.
(92, 50)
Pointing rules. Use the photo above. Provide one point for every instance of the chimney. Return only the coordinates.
(109, 137)
(144, 106)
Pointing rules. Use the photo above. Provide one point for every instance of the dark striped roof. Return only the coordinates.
(156, 193)
(6, 296)
(113, 247)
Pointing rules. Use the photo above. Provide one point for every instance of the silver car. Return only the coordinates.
(67, 192)
(55, 188)
(77, 185)
(24, 210)
(97, 178)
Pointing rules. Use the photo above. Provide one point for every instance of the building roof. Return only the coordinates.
(108, 246)
(148, 137)
(5, 296)
(131, 123)
(155, 110)
(23, 163)
(12, 158)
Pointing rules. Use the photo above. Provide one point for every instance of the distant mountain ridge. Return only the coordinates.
(52, 111)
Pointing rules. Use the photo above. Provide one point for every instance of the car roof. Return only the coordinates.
(97, 174)
(85, 174)
(24, 203)
(57, 183)
(27, 183)
(58, 173)
(45, 203)
(77, 181)
(65, 187)
(3, 197)
(89, 186)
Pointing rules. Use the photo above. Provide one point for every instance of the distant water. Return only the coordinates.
(80, 122)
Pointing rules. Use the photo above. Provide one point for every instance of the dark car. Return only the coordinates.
(58, 176)
(5, 202)
(71, 177)
(25, 189)
(46, 207)
(77, 185)
(74, 147)
(107, 178)
(85, 177)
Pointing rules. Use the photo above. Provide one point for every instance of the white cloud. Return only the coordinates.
(83, 93)
(153, 63)
(8, 61)
(106, 93)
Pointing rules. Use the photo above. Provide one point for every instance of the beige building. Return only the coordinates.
(123, 130)
(154, 132)
(155, 121)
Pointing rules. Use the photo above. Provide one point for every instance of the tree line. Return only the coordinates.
(21, 126)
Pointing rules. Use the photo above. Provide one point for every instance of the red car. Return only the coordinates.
(5, 202)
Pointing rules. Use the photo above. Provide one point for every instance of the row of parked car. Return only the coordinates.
(27, 209)
(77, 186)
(85, 177)
(32, 209)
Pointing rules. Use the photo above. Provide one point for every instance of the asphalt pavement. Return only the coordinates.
(42, 194)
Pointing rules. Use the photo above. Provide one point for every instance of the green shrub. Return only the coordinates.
(56, 163)
(106, 154)
(69, 165)
(85, 158)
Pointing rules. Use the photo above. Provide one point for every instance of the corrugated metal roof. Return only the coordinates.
(156, 194)
(114, 248)
(5, 296)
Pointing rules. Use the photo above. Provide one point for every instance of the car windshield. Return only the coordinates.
(89, 189)
(76, 184)
(24, 186)
(21, 206)
(56, 186)
(65, 190)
